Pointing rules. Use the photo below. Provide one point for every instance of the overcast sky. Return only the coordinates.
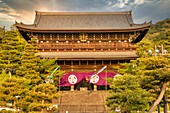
(24, 10)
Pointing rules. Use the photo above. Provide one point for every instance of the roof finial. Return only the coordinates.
(36, 12)
(130, 12)
(16, 22)
(150, 22)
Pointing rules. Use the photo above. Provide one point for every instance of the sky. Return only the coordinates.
(24, 10)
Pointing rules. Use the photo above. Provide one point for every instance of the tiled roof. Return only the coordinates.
(82, 21)
(89, 55)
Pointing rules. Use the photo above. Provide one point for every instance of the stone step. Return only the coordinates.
(82, 102)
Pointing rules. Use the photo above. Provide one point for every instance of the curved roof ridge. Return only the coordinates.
(37, 18)
(145, 23)
(22, 24)
(80, 13)
(129, 19)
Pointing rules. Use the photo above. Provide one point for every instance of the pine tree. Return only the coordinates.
(2, 31)
(152, 74)
(155, 77)
(42, 96)
(47, 66)
(11, 51)
(12, 89)
(29, 63)
(126, 95)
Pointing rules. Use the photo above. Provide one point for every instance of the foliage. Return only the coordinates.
(3, 76)
(46, 68)
(143, 48)
(11, 51)
(158, 35)
(41, 96)
(127, 95)
(29, 64)
(155, 72)
(11, 88)
(21, 78)
(151, 70)
(160, 26)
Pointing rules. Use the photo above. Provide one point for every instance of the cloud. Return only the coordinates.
(10, 14)
(127, 3)
(118, 3)
(155, 11)
(139, 2)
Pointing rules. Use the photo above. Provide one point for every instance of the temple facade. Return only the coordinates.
(85, 42)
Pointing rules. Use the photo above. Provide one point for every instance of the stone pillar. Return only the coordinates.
(72, 88)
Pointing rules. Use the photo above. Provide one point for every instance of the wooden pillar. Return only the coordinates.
(95, 87)
(115, 36)
(72, 88)
(79, 62)
(108, 35)
(123, 35)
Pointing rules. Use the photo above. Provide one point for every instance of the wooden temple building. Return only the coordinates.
(85, 41)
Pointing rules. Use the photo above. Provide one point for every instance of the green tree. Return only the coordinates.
(12, 89)
(127, 95)
(29, 64)
(152, 72)
(155, 77)
(46, 68)
(143, 47)
(11, 51)
(2, 31)
(160, 26)
(42, 96)
(3, 76)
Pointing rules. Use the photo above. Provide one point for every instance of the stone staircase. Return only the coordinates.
(82, 102)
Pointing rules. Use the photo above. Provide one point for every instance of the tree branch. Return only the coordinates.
(157, 101)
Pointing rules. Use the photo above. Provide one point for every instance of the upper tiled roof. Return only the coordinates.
(83, 21)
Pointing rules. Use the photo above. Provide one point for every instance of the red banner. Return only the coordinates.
(72, 78)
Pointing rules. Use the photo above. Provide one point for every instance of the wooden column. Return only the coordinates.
(95, 87)
(72, 88)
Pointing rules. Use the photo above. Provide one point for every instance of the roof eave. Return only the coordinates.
(25, 28)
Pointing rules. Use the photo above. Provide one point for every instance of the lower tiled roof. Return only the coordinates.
(89, 55)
